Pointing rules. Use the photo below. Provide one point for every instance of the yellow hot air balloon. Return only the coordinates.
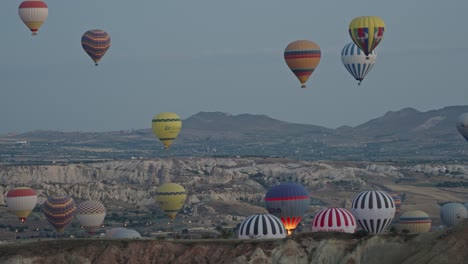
(367, 32)
(170, 198)
(302, 57)
(166, 126)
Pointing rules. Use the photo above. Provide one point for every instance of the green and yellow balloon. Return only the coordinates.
(166, 126)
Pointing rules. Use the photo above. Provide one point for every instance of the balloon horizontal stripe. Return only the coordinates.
(166, 120)
(301, 56)
(287, 198)
(415, 221)
(21, 192)
(171, 193)
(33, 4)
(301, 52)
(167, 139)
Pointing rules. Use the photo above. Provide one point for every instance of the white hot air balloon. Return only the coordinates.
(334, 220)
(373, 210)
(122, 233)
(356, 62)
(90, 214)
(462, 125)
(21, 201)
(262, 226)
(453, 213)
(33, 13)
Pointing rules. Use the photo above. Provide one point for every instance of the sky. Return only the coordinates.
(224, 56)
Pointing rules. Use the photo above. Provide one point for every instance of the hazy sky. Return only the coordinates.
(191, 56)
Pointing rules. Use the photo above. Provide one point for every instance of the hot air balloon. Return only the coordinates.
(302, 57)
(462, 125)
(95, 43)
(397, 199)
(373, 210)
(33, 13)
(21, 201)
(288, 201)
(453, 213)
(415, 222)
(166, 126)
(122, 233)
(262, 226)
(358, 64)
(90, 214)
(171, 197)
(367, 32)
(334, 220)
(59, 211)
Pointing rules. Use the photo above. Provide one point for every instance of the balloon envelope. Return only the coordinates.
(288, 201)
(367, 32)
(33, 14)
(302, 57)
(21, 201)
(95, 43)
(462, 125)
(166, 126)
(90, 214)
(59, 211)
(262, 226)
(356, 62)
(373, 210)
(453, 213)
(415, 222)
(170, 198)
(334, 220)
(122, 233)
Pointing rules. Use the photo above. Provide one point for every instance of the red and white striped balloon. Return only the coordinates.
(21, 201)
(334, 220)
(33, 13)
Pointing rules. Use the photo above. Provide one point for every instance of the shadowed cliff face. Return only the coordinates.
(445, 246)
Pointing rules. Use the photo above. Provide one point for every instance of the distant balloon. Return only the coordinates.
(122, 233)
(334, 220)
(453, 213)
(462, 125)
(171, 197)
(262, 226)
(367, 32)
(166, 126)
(397, 199)
(302, 57)
(21, 201)
(95, 43)
(33, 13)
(356, 62)
(90, 214)
(59, 211)
(415, 222)
(288, 201)
(374, 210)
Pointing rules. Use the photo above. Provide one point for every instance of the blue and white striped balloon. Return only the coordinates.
(356, 62)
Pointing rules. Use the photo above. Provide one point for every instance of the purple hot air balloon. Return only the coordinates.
(59, 211)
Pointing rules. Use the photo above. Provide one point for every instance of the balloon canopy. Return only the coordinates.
(453, 213)
(21, 201)
(302, 57)
(415, 222)
(374, 210)
(95, 43)
(334, 220)
(90, 214)
(356, 62)
(170, 198)
(59, 211)
(462, 125)
(262, 226)
(33, 14)
(166, 126)
(367, 32)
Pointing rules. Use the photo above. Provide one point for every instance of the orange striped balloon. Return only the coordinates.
(302, 57)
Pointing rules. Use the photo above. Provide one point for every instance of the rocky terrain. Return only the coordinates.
(444, 246)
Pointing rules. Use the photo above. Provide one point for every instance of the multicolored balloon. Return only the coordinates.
(288, 201)
(166, 126)
(59, 211)
(397, 199)
(462, 125)
(33, 13)
(95, 43)
(302, 57)
(21, 201)
(262, 226)
(415, 222)
(170, 198)
(358, 64)
(367, 32)
(453, 213)
(374, 210)
(90, 214)
(334, 220)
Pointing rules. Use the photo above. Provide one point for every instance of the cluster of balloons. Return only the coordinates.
(303, 56)
(34, 13)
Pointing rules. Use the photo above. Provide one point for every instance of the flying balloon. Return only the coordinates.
(358, 64)
(367, 32)
(374, 210)
(302, 57)
(166, 126)
(90, 214)
(453, 213)
(171, 197)
(415, 222)
(95, 43)
(288, 201)
(21, 201)
(59, 211)
(33, 13)
(462, 125)
(262, 226)
(334, 220)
